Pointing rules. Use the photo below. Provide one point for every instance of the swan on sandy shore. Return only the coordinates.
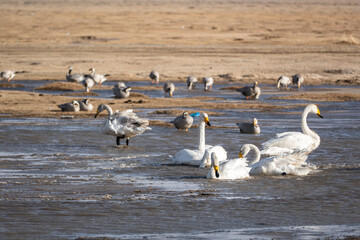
(252, 128)
(290, 142)
(124, 124)
(194, 157)
(251, 91)
(291, 164)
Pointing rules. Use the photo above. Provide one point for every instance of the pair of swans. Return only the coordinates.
(197, 157)
(240, 168)
(288, 154)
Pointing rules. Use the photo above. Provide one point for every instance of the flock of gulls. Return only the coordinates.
(285, 154)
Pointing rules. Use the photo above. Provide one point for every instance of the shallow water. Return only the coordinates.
(64, 179)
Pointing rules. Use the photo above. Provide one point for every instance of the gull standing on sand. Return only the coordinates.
(85, 105)
(191, 82)
(169, 88)
(121, 91)
(78, 78)
(283, 82)
(293, 142)
(154, 76)
(73, 106)
(246, 127)
(208, 83)
(297, 79)
(184, 121)
(251, 92)
(98, 78)
(124, 124)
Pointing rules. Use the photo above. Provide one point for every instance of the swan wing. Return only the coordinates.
(188, 157)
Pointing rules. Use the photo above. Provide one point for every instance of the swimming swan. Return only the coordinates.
(290, 142)
(194, 157)
(124, 124)
(231, 169)
(292, 164)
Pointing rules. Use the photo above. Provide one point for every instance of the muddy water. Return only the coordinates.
(63, 179)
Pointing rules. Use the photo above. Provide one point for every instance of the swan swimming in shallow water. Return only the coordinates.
(292, 164)
(194, 157)
(290, 142)
(230, 169)
(124, 124)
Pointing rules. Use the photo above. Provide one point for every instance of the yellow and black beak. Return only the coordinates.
(206, 120)
(216, 168)
(319, 114)
(240, 155)
(97, 113)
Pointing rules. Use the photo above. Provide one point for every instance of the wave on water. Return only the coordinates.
(290, 232)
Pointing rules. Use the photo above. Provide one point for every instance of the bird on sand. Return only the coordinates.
(85, 105)
(121, 91)
(124, 124)
(73, 106)
(78, 77)
(9, 74)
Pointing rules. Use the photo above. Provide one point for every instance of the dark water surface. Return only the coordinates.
(63, 179)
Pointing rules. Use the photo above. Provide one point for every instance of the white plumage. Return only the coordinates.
(124, 124)
(290, 142)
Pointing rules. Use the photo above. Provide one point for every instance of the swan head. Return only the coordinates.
(245, 149)
(313, 109)
(206, 119)
(100, 108)
(215, 164)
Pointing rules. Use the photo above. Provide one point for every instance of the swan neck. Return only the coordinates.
(109, 110)
(201, 135)
(305, 128)
(257, 154)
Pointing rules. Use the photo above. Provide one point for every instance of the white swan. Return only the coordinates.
(290, 142)
(231, 169)
(292, 164)
(221, 154)
(124, 124)
(194, 157)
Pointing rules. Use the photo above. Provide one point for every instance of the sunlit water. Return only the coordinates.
(64, 179)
